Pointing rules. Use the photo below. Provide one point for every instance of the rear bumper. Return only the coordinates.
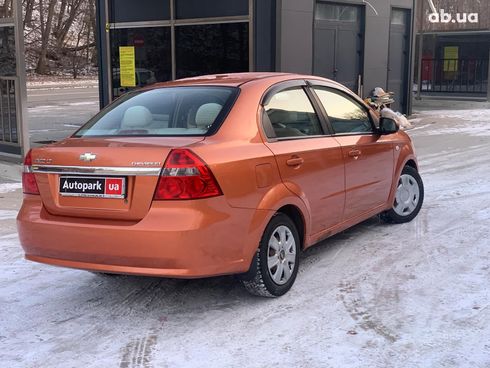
(185, 239)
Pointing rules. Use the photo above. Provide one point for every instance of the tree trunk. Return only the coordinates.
(29, 7)
(42, 65)
(65, 26)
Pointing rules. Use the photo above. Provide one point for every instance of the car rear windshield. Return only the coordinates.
(168, 111)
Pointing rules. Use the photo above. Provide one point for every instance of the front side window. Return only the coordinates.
(345, 114)
(172, 111)
(291, 114)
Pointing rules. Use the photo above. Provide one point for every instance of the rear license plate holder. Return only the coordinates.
(92, 186)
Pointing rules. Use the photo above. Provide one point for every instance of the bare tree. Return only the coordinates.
(60, 33)
(68, 13)
(45, 25)
(28, 6)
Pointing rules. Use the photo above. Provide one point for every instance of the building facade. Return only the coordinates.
(358, 43)
(453, 47)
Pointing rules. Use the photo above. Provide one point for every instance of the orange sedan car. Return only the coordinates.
(222, 174)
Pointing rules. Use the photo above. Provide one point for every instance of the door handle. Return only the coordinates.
(295, 161)
(354, 153)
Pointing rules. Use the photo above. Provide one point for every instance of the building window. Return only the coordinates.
(188, 9)
(6, 9)
(138, 11)
(152, 55)
(7, 52)
(211, 49)
(170, 39)
(399, 17)
(336, 12)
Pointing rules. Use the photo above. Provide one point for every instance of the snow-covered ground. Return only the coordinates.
(378, 295)
(54, 82)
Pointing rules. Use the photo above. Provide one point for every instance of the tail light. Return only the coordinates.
(29, 184)
(186, 176)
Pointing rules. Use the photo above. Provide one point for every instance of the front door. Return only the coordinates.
(338, 43)
(368, 157)
(399, 52)
(310, 163)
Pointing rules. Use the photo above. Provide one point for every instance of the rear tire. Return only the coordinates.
(276, 262)
(409, 197)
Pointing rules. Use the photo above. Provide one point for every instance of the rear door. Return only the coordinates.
(368, 156)
(310, 162)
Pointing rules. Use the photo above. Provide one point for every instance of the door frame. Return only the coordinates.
(408, 69)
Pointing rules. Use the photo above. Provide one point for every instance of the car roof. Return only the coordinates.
(230, 79)
(262, 79)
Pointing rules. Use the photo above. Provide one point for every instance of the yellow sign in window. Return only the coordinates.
(127, 66)
(451, 56)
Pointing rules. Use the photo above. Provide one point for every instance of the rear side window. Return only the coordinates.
(172, 111)
(345, 114)
(291, 114)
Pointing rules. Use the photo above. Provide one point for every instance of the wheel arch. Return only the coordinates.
(278, 199)
(295, 214)
(411, 162)
(407, 160)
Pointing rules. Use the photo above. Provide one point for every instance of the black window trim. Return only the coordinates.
(314, 83)
(283, 86)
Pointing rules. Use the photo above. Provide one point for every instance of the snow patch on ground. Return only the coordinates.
(57, 83)
(9, 187)
(83, 103)
(479, 119)
(7, 215)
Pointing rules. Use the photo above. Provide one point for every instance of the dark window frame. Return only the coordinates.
(266, 124)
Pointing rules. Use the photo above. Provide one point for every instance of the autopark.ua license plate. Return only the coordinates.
(76, 186)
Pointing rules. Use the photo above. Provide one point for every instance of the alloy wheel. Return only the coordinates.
(281, 255)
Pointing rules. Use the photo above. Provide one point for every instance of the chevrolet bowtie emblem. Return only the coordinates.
(88, 157)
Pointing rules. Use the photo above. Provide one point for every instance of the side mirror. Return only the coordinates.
(387, 126)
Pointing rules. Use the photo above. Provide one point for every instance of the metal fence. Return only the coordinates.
(8, 111)
(463, 76)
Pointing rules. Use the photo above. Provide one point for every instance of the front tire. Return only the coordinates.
(276, 262)
(409, 197)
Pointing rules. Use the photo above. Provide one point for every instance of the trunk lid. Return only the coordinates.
(137, 160)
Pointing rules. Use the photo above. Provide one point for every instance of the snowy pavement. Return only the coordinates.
(378, 295)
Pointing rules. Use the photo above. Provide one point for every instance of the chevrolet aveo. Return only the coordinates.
(222, 174)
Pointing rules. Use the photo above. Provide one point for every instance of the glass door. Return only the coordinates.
(149, 49)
